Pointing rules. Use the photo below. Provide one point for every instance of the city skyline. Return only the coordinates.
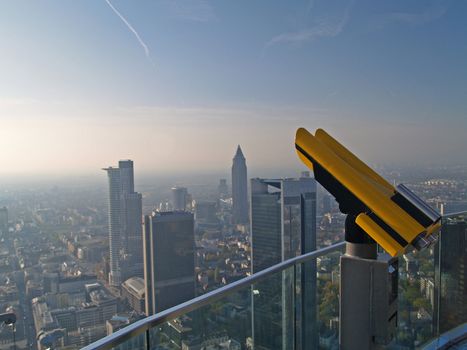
(58, 238)
(388, 79)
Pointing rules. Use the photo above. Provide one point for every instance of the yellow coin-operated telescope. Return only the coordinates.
(393, 217)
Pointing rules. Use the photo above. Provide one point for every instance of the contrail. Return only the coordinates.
(130, 27)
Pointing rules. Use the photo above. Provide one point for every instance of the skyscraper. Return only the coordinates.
(239, 189)
(450, 274)
(126, 175)
(169, 271)
(115, 224)
(283, 225)
(125, 215)
(283, 220)
(179, 198)
(133, 237)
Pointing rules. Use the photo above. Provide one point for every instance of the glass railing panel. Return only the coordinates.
(273, 311)
(136, 342)
(224, 322)
(431, 297)
(416, 303)
(298, 309)
(281, 311)
(328, 278)
(296, 306)
(292, 305)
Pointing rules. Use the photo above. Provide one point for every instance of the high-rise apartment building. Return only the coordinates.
(169, 271)
(125, 215)
(450, 275)
(283, 225)
(115, 224)
(239, 189)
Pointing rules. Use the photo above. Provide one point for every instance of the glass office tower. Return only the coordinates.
(450, 274)
(283, 225)
(169, 270)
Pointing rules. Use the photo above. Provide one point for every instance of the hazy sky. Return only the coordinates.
(175, 85)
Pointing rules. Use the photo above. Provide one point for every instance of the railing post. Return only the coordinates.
(148, 340)
(295, 297)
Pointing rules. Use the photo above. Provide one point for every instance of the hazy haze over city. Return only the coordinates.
(176, 85)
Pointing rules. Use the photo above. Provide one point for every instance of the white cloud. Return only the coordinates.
(323, 27)
(131, 28)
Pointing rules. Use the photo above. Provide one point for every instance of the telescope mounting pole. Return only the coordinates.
(356, 275)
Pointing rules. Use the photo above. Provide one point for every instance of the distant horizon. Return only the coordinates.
(175, 178)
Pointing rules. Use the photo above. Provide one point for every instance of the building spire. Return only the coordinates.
(239, 153)
(239, 189)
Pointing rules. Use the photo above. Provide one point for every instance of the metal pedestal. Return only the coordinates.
(368, 297)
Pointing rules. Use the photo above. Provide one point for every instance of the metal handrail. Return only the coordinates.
(149, 322)
(459, 213)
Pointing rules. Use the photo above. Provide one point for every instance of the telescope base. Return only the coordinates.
(368, 297)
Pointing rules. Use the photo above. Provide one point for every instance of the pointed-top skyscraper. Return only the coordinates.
(239, 189)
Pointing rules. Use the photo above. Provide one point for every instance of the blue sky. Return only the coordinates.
(87, 82)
